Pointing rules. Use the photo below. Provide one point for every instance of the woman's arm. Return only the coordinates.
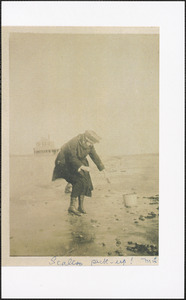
(95, 158)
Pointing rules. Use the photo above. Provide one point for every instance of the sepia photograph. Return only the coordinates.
(92, 168)
(84, 142)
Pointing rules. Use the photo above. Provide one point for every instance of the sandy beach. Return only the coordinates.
(41, 226)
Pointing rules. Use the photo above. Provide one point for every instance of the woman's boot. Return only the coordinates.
(72, 208)
(81, 208)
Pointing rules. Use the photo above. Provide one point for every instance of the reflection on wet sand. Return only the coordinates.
(82, 233)
(41, 226)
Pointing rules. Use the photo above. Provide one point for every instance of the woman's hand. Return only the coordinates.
(84, 168)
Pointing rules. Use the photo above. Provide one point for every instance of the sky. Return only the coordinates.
(63, 84)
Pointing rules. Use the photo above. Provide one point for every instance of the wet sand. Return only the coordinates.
(41, 226)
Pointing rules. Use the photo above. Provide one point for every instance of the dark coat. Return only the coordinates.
(70, 158)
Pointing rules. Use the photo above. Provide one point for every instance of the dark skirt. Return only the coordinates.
(81, 181)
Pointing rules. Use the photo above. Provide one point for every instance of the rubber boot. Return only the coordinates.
(81, 208)
(72, 208)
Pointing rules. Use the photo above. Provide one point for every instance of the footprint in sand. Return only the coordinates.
(142, 218)
(119, 253)
(93, 221)
(118, 242)
(150, 216)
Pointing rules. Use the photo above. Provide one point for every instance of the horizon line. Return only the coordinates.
(32, 154)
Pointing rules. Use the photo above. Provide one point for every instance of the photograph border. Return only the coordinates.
(166, 280)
